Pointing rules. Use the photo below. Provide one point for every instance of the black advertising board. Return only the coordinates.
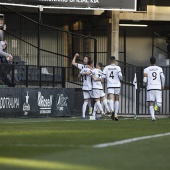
(10, 102)
(36, 102)
(80, 4)
(63, 102)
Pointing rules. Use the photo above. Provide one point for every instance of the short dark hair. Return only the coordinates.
(112, 58)
(152, 60)
(89, 62)
(89, 58)
(99, 64)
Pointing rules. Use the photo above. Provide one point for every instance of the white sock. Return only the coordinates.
(111, 104)
(95, 109)
(84, 108)
(152, 112)
(89, 102)
(105, 105)
(116, 107)
(99, 106)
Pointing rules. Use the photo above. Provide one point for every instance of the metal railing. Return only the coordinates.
(159, 45)
(142, 5)
(40, 44)
(132, 101)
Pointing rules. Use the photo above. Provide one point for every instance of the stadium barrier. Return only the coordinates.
(132, 101)
(36, 102)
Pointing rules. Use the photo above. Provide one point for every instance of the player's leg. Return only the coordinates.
(117, 92)
(90, 106)
(151, 99)
(104, 101)
(84, 107)
(96, 96)
(158, 96)
(111, 99)
(116, 107)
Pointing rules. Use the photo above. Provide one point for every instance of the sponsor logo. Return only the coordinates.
(61, 102)
(26, 105)
(44, 104)
(9, 103)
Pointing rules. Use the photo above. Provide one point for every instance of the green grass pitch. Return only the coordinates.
(68, 144)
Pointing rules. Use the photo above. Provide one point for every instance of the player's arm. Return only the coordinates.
(120, 74)
(74, 60)
(145, 76)
(96, 78)
(162, 80)
(104, 73)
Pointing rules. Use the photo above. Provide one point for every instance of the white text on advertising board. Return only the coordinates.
(9, 103)
(44, 104)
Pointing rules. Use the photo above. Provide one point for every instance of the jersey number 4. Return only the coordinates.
(111, 75)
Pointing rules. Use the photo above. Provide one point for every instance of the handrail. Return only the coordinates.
(51, 27)
(153, 44)
(162, 37)
(36, 46)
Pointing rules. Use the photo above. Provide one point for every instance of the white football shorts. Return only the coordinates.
(96, 94)
(87, 94)
(115, 91)
(154, 95)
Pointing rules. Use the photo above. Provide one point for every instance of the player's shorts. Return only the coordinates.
(87, 94)
(96, 94)
(154, 95)
(115, 91)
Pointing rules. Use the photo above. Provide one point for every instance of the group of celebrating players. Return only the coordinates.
(93, 88)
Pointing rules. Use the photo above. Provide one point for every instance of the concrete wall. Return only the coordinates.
(139, 43)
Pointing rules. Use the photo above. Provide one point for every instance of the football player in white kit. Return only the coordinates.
(113, 75)
(87, 86)
(97, 90)
(155, 79)
(80, 67)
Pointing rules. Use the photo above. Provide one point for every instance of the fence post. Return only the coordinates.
(39, 29)
(53, 76)
(13, 74)
(137, 91)
(26, 75)
(63, 73)
(40, 76)
(95, 51)
(153, 44)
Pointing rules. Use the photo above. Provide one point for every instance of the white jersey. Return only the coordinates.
(153, 76)
(87, 80)
(80, 66)
(98, 74)
(113, 74)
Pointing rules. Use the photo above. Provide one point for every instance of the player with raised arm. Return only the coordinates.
(155, 79)
(97, 90)
(80, 67)
(113, 75)
(87, 86)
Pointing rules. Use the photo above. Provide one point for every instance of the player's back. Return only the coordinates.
(112, 75)
(87, 80)
(153, 74)
(98, 74)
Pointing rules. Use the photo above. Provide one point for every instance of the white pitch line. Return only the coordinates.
(121, 142)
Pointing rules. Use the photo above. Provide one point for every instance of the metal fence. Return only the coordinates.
(39, 44)
(132, 101)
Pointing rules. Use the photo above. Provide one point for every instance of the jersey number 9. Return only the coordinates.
(154, 75)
